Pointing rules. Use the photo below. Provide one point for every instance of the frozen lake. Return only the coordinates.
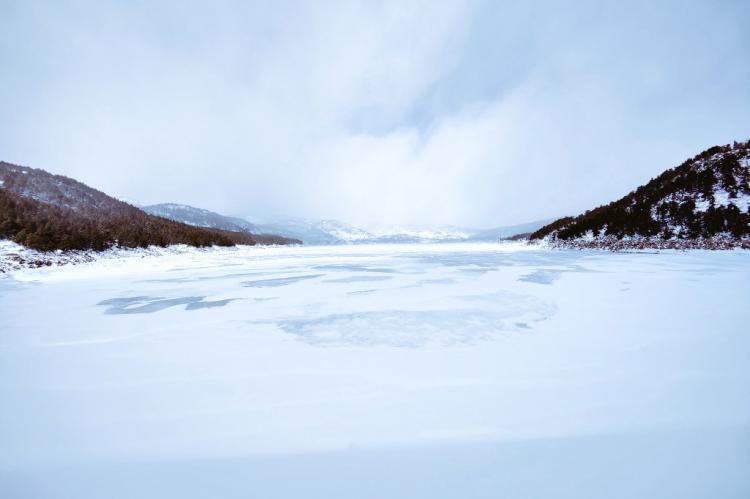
(388, 371)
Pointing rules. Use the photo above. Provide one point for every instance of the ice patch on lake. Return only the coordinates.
(149, 305)
(282, 281)
(545, 276)
(360, 278)
(414, 328)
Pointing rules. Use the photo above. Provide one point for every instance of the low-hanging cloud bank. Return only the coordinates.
(407, 112)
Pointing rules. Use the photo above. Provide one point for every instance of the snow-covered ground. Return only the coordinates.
(447, 370)
(15, 257)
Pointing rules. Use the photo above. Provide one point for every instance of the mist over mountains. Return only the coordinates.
(705, 201)
(328, 231)
(338, 232)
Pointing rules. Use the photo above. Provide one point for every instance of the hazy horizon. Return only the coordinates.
(474, 114)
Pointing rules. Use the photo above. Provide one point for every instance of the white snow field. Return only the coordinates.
(410, 371)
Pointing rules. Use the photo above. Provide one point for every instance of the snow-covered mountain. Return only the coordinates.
(313, 232)
(199, 217)
(343, 231)
(705, 201)
(420, 233)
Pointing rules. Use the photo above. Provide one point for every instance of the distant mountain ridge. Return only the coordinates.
(50, 212)
(66, 194)
(199, 217)
(704, 202)
(337, 232)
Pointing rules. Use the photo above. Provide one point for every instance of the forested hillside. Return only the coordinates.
(50, 212)
(706, 197)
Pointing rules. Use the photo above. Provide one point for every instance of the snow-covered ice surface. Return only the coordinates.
(451, 370)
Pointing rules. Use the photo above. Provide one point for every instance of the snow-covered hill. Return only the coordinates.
(704, 201)
(64, 192)
(199, 217)
(52, 212)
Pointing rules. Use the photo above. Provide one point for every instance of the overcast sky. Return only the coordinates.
(472, 113)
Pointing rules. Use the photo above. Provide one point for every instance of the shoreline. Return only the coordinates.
(14, 256)
(721, 243)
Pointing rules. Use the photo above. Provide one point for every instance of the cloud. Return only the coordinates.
(473, 113)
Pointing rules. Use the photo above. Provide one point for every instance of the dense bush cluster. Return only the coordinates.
(668, 206)
(49, 212)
